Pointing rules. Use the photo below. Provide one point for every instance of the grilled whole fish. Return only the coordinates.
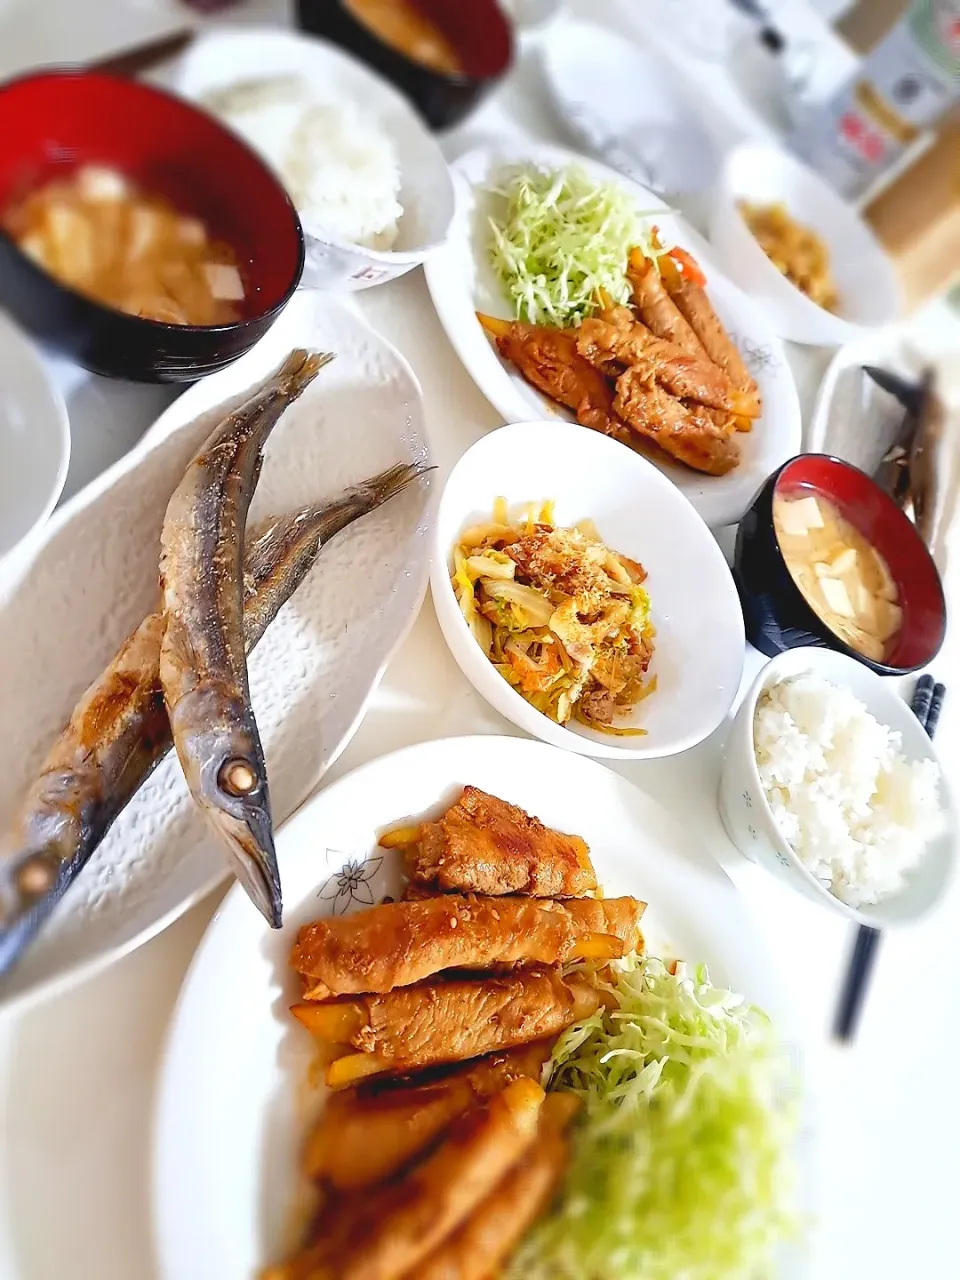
(203, 666)
(119, 731)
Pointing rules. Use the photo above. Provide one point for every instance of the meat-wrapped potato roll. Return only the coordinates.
(657, 309)
(696, 308)
(395, 1229)
(485, 845)
(400, 943)
(621, 341)
(481, 1244)
(367, 1134)
(441, 1022)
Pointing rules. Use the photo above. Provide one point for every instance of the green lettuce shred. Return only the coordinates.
(561, 236)
(682, 1155)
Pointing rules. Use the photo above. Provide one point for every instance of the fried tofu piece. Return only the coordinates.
(408, 1220)
(687, 433)
(400, 943)
(485, 845)
(446, 1021)
(368, 1134)
(495, 1228)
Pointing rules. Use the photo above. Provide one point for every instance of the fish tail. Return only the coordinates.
(299, 370)
(381, 488)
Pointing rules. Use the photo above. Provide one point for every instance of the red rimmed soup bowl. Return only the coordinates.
(477, 31)
(777, 614)
(59, 121)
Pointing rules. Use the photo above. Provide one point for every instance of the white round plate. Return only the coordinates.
(228, 56)
(34, 438)
(655, 137)
(232, 1101)
(638, 512)
(462, 282)
(93, 576)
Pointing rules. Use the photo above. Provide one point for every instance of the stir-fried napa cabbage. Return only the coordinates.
(560, 237)
(681, 1159)
(583, 655)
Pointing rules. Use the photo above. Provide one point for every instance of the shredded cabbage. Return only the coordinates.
(560, 238)
(681, 1160)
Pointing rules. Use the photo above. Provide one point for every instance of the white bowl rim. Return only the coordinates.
(295, 38)
(771, 674)
(527, 716)
(754, 152)
(28, 354)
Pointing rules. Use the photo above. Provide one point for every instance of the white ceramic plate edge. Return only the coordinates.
(69, 977)
(522, 714)
(774, 996)
(518, 403)
(26, 351)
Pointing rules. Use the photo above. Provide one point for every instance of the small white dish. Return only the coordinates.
(227, 56)
(750, 823)
(34, 439)
(655, 137)
(869, 295)
(233, 1099)
(638, 512)
(91, 576)
(462, 282)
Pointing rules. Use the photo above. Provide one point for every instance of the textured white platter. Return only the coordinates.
(462, 282)
(93, 577)
(232, 1103)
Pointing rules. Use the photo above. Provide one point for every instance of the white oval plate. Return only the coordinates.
(232, 1103)
(34, 438)
(462, 282)
(636, 511)
(94, 577)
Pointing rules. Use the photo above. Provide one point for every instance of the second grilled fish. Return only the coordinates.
(203, 667)
(119, 731)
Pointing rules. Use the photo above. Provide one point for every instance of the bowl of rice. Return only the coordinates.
(368, 179)
(830, 783)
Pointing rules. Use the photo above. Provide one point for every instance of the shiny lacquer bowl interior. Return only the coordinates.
(58, 120)
(477, 29)
(698, 658)
(776, 613)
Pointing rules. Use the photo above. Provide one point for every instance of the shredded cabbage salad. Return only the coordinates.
(559, 238)
(681, 1164)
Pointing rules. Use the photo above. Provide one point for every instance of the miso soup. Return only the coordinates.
(842, 576)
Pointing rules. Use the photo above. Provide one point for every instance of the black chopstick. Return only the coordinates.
(926, 706)
(143, 57)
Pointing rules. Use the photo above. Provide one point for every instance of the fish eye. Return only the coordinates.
(35, 877)
(238, 778)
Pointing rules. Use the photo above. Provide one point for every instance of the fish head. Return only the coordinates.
(232, 789)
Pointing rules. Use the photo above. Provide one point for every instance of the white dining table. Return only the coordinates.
(77, 1072)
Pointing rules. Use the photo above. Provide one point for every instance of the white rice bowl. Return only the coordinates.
(855, 811)
(383, 181)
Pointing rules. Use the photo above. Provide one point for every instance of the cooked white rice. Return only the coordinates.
(337, 162)
(855, 811)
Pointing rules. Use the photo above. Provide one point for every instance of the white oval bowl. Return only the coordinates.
(869, 294)
(750, 823)
(227, 55)
(699, 653)
(34, 439)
